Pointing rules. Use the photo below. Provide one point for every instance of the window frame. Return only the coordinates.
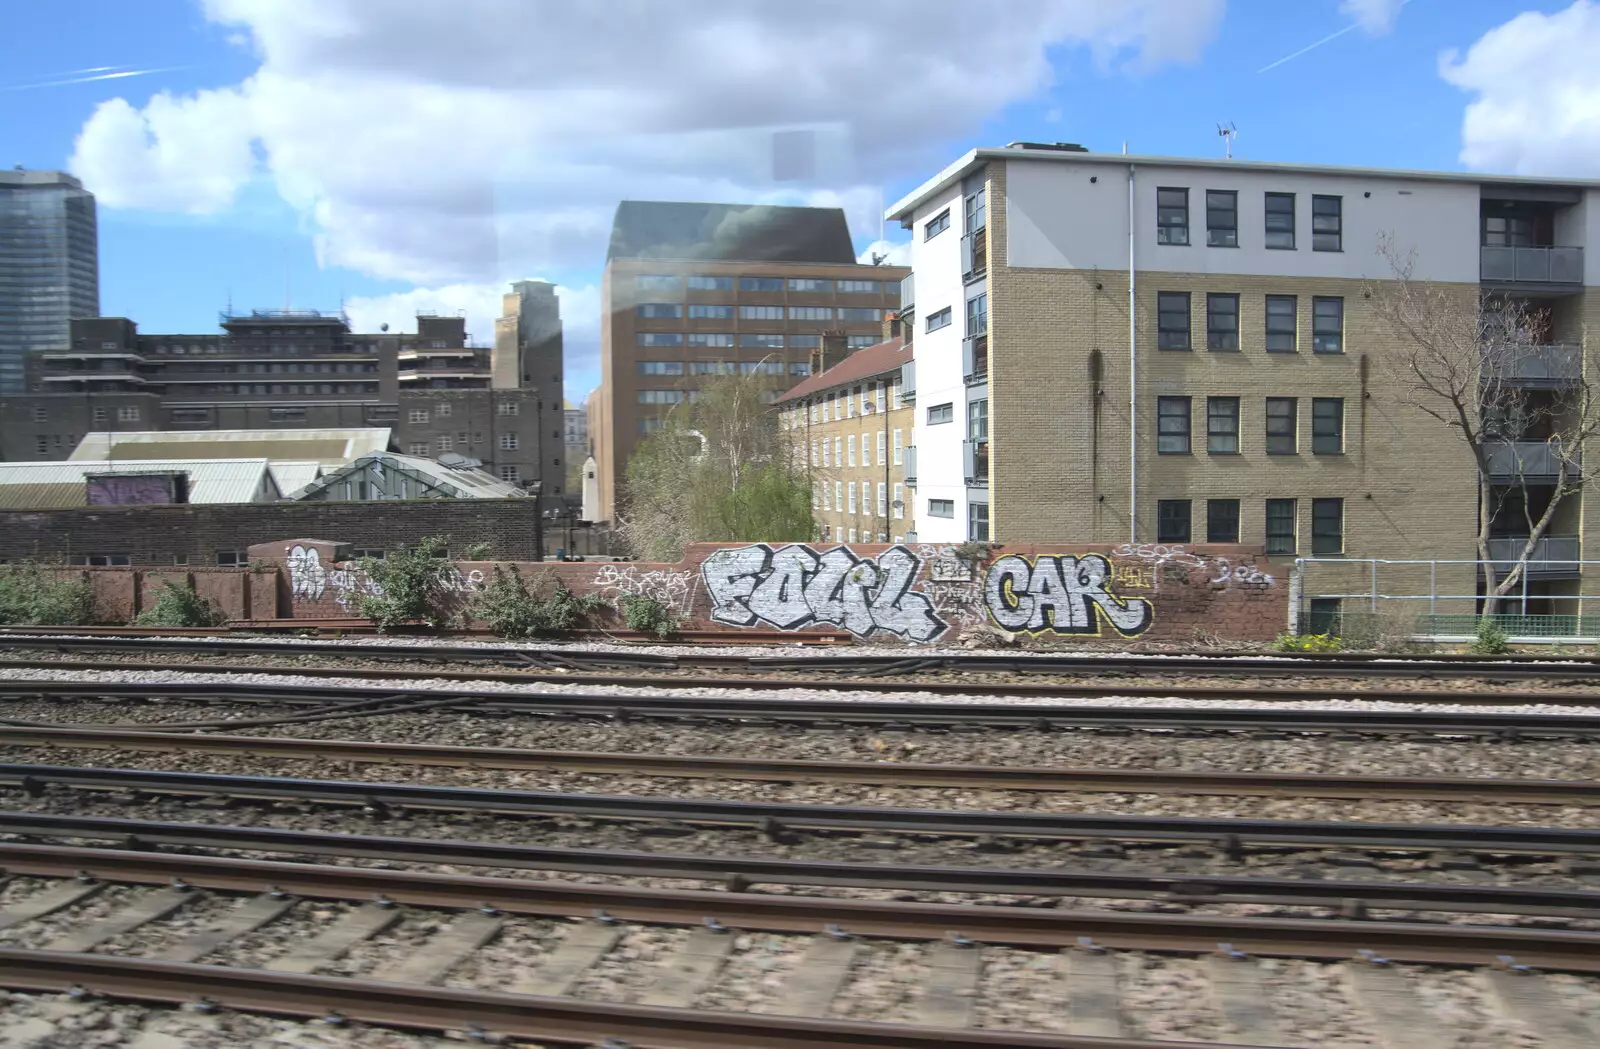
(1213, 433)
(1321, 227)
(975, 519)
(1267, 225)
(1167, 212)
(1165, 310)
(1294, 323)
(1318, 337)
(1320, 545)
(1212, 520)
(936, 225)
(1287, 543)
(943, 508)
(1293, 434)
(1331, 443)
(938, 319)
(1217, 339)
(1231, 240)
(1171, 512)
(1163, 415)
(947, 409)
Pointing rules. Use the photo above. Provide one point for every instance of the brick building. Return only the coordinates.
(692, 290)
(850, 427)
(1172, 351)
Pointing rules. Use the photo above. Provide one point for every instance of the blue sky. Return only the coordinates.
(405, 154)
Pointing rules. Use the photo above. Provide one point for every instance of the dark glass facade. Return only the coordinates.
(49, 266)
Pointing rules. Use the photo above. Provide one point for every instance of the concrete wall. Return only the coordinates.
(937, 265)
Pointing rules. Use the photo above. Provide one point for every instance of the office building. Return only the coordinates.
(695, 290)
(528, 356)
(49, 266)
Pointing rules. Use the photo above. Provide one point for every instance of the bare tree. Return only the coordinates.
(1483, 365)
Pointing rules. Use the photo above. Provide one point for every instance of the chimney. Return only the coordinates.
(833, 351)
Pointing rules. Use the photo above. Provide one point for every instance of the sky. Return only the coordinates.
(402, 155)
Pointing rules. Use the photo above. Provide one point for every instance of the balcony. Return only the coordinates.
(908, 382)
(908, 292)
(1551, 365)
(975, 254)
(975, 460)
(1514, 461)
(1552, 555)
(1506, 265)
(911, 466)
(975, 358)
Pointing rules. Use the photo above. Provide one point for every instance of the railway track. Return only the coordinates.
(1082, 958)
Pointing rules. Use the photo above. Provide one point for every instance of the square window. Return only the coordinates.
(1280, 526)
(1222, 520)
(1327, 223)
(1280, 220)
(417, 415)
(1327, 526)
(507, 408)
(1172, 521)
(1327, 324)
(1222, 425)
(1172, 320)
(442, 409)
(509, 473)
(99, 415)
(1222, 218)
(1172, 425)
(508, 442)
(1172, 216)
(1327, 425)
(1281, 431)
(1222, 322)
(128, 415)
(1283, 325)
(230, 558)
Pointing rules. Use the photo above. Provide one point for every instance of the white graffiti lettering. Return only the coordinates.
(673, 589)
(307, 578)
(795, 587)
(1061, 595)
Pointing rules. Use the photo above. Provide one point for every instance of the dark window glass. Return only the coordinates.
(1327, 223)
(1222, 425)
(1280, 426)
(1172, 425)
(1280, 526)
(1222, 322)
(1222, 520)
(1222, 218)
(941, 413)
(936, 225)
(1172, 320)
(1327, 425)
(1324, 618)
(1507, 231)
(1172, 216)
(760, 283)
(1327, 325)
(978, 522)
(1327, 526)
(1280, 220)
(1282, 323)
(1172, 521)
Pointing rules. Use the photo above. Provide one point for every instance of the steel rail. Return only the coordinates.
(905, 774)
(869, 712)
(487, 1014)
(738, 873)
(772, 816)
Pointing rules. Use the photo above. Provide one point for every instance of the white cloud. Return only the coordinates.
(1536, 88)
(1374, 16)
(458, 144)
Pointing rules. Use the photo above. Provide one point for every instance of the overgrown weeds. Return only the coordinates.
(1492, 638)
(29, 597)
(181, 606)
(411, 584)
(649, 615)
(513, 609)
(1308, 643)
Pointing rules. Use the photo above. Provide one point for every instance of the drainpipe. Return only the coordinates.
(1133, 376)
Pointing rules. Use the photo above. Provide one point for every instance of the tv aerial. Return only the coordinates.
(1228, 132)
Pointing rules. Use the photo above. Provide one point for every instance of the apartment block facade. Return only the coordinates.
(695, 290)
(1162, 351)
(849, 426)
(49, 265)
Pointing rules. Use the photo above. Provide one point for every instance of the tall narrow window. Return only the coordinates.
(1327, 425)
(850, 447)
(1222, 520)
(1280, 526)
(1222, 218)
(1280, 220)
(1172, 320)
(1327, 324)
(1327, 223)
(899, 448)
(1172, 429)
(1172, 216)
(1222, 425)
(1172, 520)
(1282, 323)
(899, 501)
(1281, 436)
(1327, 526)
(1222, 322)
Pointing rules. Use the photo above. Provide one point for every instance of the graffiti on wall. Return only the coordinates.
(1061, 595)
(1176, 558)
(310, 579)
(794, 587)
(672, 588)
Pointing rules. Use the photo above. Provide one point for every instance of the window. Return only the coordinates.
(101, 560)
(40, 415)
(850, 490)
(655, 397)
(811, 313)
(941, 507)
(883, 499)
(883, 446)
(1327, 526)
(861, 342)
(1222, 520)
(809, 284)
(761, 342)
(703, 312)
(442, 409)
(857, 287)
(936, 225)
(99, 415)
(816, 496)
(710, 284)
(899, 503)
(1283, 332)
(978, 420)
(799, 368)
(41, 445)
(649, 426)
(1222, 322)
(1172, 320)
(659, 310)
(1327, 223)
(827, 497)
(1222, 218)
(1327, 425)
(417, 448)
(941, 413)
(1281, 436)
(660, 367)
(231, 558)
(657, 282)
(838, 451)
(838, 496)
(508, 442)
(203, 415)
(814, 460)
(978, 522)
(1327, 325)
(1507, 231)
(1280, 220)
(1172, 216)
(899, 448)
(760, 283)
(1222, 425)
(128, 415)
(860, 314)
(417, 415)
(702, 338)
(852, 535)
(761, 313)
(507, 408)
(938, 320)
(180, 559)
(805, 342)
(1280, 526)
(658, 338)
(444, 443)
(1172, 520)
(1172, 425)
(509, 473)
(850, 446)
(711, 367)
(760, 367)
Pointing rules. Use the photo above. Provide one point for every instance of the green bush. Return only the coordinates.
(181, 606)
(647, 615)
(29, 598)
(411, 585)
(1308, 643)
(514, 610)
(1492, 638)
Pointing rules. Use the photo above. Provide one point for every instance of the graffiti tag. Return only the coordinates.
(673, 589)
(1062, 595)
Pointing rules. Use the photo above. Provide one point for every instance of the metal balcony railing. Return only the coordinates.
(911, 465)
(1553, 364)
(974, 253)
(975, 358)
(975, 459)
(908, 382)
(908, 292)
(1535, 265)
(1551, 554)
(1514, 460)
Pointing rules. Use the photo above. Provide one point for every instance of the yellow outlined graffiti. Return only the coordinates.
(1061, 594)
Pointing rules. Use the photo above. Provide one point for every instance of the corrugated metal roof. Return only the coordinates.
(40, 486)
(294, 473)
(468, 483)
(330, 447)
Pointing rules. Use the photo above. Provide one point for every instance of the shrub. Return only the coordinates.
(1492, 638)
(410, 584)
(181, 606)
(29, 598)
(648, 615)
(514, 610)
(1308, 643)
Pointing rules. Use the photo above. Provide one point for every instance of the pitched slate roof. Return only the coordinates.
(874, 360)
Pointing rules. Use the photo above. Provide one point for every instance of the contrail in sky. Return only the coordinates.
(95, 74)
(1312, 47)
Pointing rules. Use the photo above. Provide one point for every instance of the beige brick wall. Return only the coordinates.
(866, 521)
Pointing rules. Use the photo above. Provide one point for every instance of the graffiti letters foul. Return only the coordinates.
(1061, 595)
(794, 586)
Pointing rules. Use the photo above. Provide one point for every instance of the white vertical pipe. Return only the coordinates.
(1133, 374)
